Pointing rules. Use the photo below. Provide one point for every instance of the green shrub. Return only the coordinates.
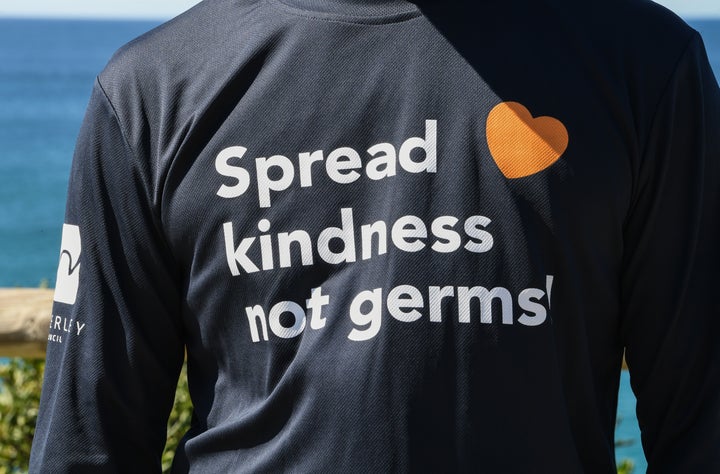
(626, 466)
(20, 382)
(179, 421)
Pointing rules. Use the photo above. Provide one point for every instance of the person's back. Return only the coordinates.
(393, 238)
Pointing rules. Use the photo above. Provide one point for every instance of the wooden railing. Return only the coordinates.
(24, 321)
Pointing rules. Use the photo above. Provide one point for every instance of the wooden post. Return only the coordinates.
(24, 321)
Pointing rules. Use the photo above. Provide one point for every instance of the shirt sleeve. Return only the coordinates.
(671, 282)
(115, 346)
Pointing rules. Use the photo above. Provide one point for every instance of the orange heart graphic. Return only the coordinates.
(522, 145)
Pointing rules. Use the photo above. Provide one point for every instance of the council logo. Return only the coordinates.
(68, 274)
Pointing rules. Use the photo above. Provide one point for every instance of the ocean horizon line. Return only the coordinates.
(141, 18)
(59, 18)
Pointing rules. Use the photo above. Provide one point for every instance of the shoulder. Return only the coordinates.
(156, 83)
(630, 26)
(175, 48)
(630, 47)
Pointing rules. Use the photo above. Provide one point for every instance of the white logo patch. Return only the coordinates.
(68, 274)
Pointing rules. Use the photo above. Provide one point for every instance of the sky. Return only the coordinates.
(164, 9)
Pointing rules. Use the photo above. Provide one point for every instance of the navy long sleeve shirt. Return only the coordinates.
(392, 238)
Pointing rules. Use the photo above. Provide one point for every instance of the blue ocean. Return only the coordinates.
(47, 68)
